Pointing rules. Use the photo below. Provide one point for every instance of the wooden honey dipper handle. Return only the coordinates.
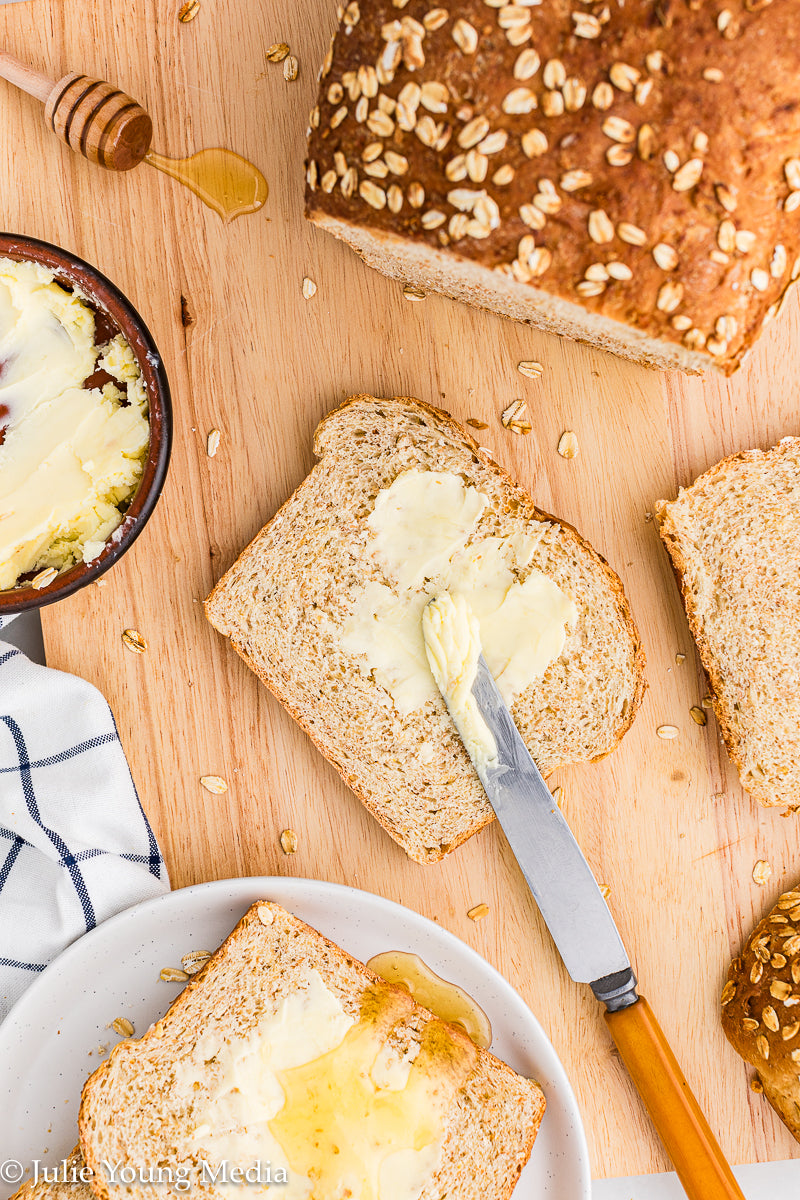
(92, 117)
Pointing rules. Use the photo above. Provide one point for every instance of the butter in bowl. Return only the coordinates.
(85, 424)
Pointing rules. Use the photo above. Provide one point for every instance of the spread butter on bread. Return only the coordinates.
(285, 1051)
(325, 605)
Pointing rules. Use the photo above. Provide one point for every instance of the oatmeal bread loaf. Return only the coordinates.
(761, 1007)
(627, 175)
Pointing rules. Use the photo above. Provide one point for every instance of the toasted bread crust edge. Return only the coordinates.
(764, 796)
(98, 1184)
(528, 510)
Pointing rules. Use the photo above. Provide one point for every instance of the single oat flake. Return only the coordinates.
(195, 960)
(290, 68)
(188, 11)
(529, 368)
(277, 52)
(478, 912)
(761, 872)
(667, 732)
(134, 641)
(212, 445)
(568, 444)
(173, 975)
(413, 293)
(214, 784)
(309, 288)
(44, 578)
(289, 841)
(123, 1027)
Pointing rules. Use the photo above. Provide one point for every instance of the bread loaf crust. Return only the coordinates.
(654, 216)
(761, 1006)
(266, 601)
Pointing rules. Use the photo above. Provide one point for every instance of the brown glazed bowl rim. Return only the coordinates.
(104, 296)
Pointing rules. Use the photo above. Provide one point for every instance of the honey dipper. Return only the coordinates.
(100, 122)
(93, 117)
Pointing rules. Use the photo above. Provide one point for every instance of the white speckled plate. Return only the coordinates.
(49, 1042)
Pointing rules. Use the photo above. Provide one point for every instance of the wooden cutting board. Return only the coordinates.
(664, 823)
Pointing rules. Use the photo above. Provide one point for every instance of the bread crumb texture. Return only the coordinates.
(624, 174)
(734, 541)
(286, 600)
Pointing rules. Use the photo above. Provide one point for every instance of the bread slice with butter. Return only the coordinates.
(325, 605)
(734, 540)
(285, 1051)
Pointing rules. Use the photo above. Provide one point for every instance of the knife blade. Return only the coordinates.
(555, 869)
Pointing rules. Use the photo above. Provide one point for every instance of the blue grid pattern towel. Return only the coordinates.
(75, 845)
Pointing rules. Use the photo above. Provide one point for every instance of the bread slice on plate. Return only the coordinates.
(284, 1054)
(325, 602)
(734, 541)
(761, 1006)
(68, 1184)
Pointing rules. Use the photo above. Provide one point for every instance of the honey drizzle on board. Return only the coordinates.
(445, 1000)
(224, 181)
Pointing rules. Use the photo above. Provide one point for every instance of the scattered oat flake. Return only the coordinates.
(568, 444)
(309, 288)
(134, 641)
(667, 732)
(515, 410)
(265, 914)
(476, 424)
(289, 841)
(195, 960)
(529, 368)
(521, 427)
(706, 702)
(44, 578)
(648, 516)
(277, 52)
(605, 890)
(173, 975)
(214, 784)
(188, 11)
(123, 1027)
(212, 445)
(756, 1086)
(679, 658)
(413, 293)
(761, 872)
(478, 912)
(290, 68)
(698, 715)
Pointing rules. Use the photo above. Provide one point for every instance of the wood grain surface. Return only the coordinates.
(664, 823)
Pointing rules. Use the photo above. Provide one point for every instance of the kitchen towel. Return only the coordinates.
(75, 844)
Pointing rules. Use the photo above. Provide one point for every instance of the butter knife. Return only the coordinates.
(583, 929)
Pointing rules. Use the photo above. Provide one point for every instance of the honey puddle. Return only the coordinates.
(445, 1000)
(223, 180)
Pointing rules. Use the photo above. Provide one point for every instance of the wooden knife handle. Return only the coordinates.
(695, 1153)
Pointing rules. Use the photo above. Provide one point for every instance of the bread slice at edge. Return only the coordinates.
(42, 1190)
(258, 922)
(434, 270)
(714, 673)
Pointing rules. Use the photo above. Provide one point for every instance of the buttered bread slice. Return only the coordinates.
(326, 607)
(287, 1061)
